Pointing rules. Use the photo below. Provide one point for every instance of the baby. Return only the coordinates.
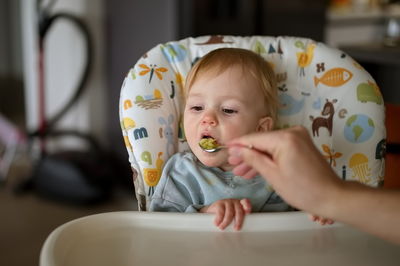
(230, 92)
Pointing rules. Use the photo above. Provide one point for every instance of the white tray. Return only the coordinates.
(142, 238)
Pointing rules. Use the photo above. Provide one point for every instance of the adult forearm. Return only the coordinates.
(376, 211)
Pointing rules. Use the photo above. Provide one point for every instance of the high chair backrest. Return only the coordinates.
(321, 88)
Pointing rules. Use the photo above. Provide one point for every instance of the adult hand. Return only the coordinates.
(290, 162)
(228, 210)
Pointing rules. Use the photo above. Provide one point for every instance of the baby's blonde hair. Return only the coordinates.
(219, 60)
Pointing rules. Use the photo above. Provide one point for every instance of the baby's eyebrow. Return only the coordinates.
(199, 95)
(234, 99)
(194, 95)
(195, 98)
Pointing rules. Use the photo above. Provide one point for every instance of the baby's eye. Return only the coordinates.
(196, 108)
(228, 111)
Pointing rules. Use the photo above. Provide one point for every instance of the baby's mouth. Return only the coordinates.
(208, 143)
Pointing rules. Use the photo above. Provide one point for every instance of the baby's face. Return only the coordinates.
(223, 107)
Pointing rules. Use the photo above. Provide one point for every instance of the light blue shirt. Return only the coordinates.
(187, 185)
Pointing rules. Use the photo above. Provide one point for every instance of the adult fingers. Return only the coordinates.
(313, 218)
(263, 142)
(234, 156)
(324, 221)
(244, 170)
(254, 162)
(250, 174)
(269, 142)
(241, 169)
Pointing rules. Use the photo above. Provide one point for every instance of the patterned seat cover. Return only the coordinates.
(321, 88)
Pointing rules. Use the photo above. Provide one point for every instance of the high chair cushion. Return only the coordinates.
(319, 87)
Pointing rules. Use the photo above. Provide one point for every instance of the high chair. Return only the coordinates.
(320, 88)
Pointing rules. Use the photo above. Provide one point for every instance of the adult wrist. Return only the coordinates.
(331, 197)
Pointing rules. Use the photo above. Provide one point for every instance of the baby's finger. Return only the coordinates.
(239, 216)
(246, 205)
(219, 215)
(228, 217)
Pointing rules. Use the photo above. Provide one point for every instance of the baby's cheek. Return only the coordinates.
(238, 131)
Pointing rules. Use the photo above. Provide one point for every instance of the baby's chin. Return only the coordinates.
(209, 163)
(215, 162)
(218, 159)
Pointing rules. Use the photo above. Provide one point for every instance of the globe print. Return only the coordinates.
(359, 128)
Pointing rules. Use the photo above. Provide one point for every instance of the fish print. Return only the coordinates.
(334, 77)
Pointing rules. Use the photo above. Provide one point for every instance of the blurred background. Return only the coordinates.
(62, 63)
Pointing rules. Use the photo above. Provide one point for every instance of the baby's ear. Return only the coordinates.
(265, 124)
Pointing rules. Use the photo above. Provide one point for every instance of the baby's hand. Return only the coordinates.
(228, 210)
(320, 220)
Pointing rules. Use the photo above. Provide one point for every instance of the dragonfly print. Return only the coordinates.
(151, 69)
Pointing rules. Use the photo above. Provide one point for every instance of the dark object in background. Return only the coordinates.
(69, 176)
(302, 18)
(305, 18)
(77, 176)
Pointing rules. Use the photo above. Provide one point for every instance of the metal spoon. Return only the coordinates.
(218, 148)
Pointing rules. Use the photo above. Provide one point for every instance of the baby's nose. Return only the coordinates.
(209, 120)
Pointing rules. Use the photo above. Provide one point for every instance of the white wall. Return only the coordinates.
(65, 53)
(29, 58)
